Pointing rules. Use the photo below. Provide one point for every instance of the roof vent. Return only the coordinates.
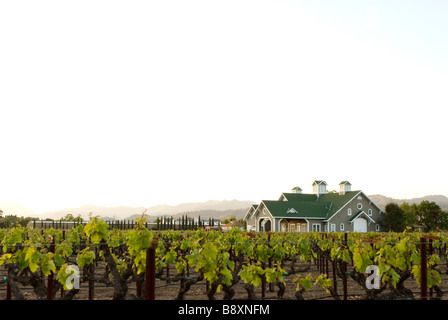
(296, 190)
(319, 187)
(344, 186)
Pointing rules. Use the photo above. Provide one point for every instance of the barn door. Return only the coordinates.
(360, 225)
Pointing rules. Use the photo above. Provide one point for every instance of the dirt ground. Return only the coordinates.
(169, 291)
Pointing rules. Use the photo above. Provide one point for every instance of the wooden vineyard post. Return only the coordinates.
(424, 251)
(271, 285)
(344, 279)
(183, 271)
(430, 253)
(139, 289)
(150, 284)
(263, 281)
(91, 274)
(423, 270)
(8, 285)
(91, 283)
(50, 277)
(333, 264)
(263, 289)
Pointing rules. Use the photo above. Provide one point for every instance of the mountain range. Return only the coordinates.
(213, 208)
(210, 208)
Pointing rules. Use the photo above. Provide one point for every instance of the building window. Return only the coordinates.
(292, 227)
(377, 227)
(316, 227)
(326, 227)
(341, 227)
(370, 212)
(359, 206)
(349, 211)
(332, 227)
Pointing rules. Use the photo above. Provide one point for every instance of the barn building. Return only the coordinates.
(322, 211)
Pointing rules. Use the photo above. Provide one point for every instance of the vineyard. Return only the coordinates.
(109, 263)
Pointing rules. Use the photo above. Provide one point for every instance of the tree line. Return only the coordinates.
(426, 215)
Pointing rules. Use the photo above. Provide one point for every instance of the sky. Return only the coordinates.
(141, 103)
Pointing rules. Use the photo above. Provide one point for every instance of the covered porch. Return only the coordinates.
(292, 225)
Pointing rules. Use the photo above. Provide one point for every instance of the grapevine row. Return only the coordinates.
(42, 258)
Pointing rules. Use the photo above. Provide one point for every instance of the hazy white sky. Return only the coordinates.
(161, 102)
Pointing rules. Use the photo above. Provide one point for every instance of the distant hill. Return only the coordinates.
(118, 212)
(231, 207)
(213, 205)
(382, 201)
(15, 209)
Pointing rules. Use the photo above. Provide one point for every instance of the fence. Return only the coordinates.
(168, 224)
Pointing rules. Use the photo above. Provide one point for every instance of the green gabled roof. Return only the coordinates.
(337, 200)
(300, 197)
(296, 209)
(309, 205)
(253, 206)
(357, 215)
